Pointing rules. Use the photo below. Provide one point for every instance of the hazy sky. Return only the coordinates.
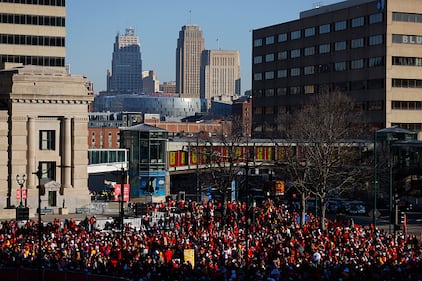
(92, 26)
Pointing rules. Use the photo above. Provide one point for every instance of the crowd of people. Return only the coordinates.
(267, 242)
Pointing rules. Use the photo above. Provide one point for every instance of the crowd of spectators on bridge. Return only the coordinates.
(263, 243)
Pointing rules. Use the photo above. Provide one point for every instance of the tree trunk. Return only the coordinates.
(303, 213)
(323, 213)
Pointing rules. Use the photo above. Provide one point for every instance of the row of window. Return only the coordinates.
(376, 105)
(61, 3)
(321, 68)
(406, 105)
(15, 39)
(32, 20)
(415, 127)
(356, 85)
(33, 60)
(407, 17)
(321, 49)
(407, 61)
(407, 83)
(322, 29)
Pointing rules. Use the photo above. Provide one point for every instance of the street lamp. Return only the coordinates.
(21, 181)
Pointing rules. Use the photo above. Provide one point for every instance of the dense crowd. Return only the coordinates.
(263, 243)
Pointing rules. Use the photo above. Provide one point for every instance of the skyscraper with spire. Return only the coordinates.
(125, 75)
(190, 45)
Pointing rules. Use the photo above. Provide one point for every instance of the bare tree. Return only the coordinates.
(323, 161)
(224, 159)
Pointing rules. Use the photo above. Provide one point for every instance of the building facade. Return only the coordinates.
(242, 114)
(32, 34)
(168, 87)
(125, 75)
(44, 121)
(220, 75)
(190, 45)
(371, 50)
(150, 82)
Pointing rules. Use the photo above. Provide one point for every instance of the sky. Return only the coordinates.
(92, 25)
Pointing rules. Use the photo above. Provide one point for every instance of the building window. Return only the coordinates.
(47, 140)
(48, 170)
(52, 198)
(269, 92)
(269, 75)
(356, 22)
(324, 48)
(357, 43)
(407, 61)
(340, 25)
(257, 59)
(257, 42)
(375, 18)
(309, 89)
(339, 46)
(257, 76)
(407, 83)
(295, 53)
(295, 71)
(324, 28)
(110, 140)
(282, 55)
(295, 90)
(281, 91)
(308, 70)
(295, 35)
(309, 51)
(375, 61)
(282, 73)
(375, 105)
(282, 37)
(310, 31)
(269, 40)
(407, 17)
(340, 66)
(376, 40)
(269, 57)
(356, 64)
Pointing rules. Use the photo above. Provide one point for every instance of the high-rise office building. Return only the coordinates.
(220, 75)
(126, 66)
(190, 45)
(369, 49)
(32, 34)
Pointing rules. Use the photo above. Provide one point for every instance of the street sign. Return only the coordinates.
(371, 213)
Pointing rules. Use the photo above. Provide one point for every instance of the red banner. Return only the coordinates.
(117, 191)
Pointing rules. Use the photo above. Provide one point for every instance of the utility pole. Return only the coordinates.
(122, 211)
(40, 225)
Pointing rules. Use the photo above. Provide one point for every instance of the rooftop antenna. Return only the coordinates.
(218, 44)
(190, 17)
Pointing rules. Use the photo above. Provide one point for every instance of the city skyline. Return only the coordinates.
(92, 26)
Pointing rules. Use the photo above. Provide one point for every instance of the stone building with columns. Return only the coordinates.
(44, 128)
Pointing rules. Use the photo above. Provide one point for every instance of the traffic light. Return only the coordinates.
(402, 218)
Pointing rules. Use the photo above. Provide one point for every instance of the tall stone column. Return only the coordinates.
(32, 165)
(67, 154)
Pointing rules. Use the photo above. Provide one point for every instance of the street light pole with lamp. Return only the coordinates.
(21, 181)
